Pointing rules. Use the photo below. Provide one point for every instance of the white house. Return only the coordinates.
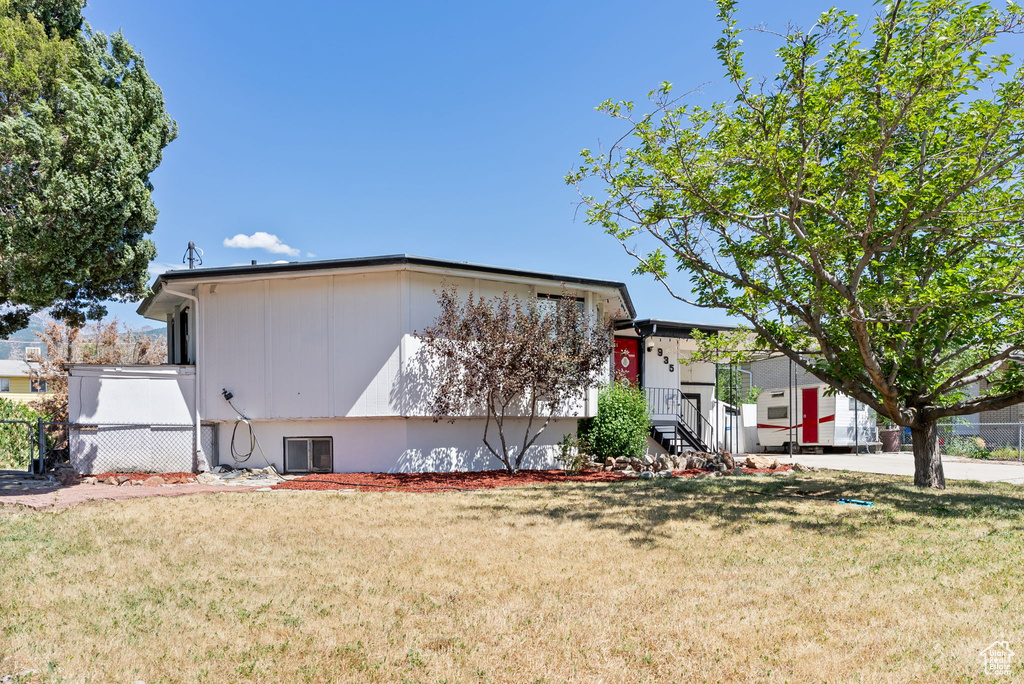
(320, 356)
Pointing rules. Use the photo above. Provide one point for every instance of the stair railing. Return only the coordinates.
(670, 401)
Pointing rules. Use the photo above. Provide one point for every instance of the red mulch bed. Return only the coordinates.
(422, 482)
(486, 479)
(169, 478)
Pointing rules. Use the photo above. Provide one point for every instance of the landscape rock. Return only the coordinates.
(89, 480)
(727, 459)
(718, 467)
(154, 481)
(632, 474)
(609, 462)
(648, 459)
(665, 473)
(762, 462)
(738, 471)
(647, 475)
(801, 468)
(207, 478)
(65, 476)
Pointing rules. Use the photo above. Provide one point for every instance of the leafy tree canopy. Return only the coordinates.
(864, 206)
(82, 127)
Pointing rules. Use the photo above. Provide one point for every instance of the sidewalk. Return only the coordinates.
(903, 464)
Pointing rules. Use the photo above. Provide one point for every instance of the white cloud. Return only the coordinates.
(310, 255)
(261, 240)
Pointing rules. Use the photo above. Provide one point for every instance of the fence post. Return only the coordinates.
(1019, 429)
(41, 435)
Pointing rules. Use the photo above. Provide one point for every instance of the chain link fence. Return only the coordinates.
(101, 448)
(1003, 441)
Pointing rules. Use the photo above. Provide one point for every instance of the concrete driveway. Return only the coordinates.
(903, 464)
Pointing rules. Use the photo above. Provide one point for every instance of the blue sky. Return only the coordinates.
(441, 129)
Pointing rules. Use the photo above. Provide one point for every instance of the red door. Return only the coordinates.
(810, 415)
(627, 360)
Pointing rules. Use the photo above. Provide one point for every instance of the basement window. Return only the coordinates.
(778, 412)
(308, 454)
(5, 384)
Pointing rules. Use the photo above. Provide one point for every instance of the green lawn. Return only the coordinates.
(627, 582)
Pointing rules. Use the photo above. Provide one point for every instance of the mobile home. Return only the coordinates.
(822, 419)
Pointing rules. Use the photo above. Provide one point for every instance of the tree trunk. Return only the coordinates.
(927, 460)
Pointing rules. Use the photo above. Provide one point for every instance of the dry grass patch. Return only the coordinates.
(625, 582)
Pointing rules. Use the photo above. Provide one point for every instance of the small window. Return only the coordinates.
(308, 455)
(5, 384)
(38, 387)
(777, 412)
(778, 394)
(548, 302)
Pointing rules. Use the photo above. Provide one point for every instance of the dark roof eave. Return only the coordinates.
(655, 326)
(367, 262)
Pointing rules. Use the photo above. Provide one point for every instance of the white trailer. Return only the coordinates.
(824, 419)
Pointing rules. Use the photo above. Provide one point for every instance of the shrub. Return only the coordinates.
(621, 425)
(15, 438)
(572, 454)
(1005, 453)
(966, 446)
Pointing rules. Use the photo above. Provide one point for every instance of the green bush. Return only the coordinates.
(966, 446)
(15, 438)
(1005, 453)
(572, 453)
(621, 425)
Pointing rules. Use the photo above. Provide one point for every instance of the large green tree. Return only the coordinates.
(862, 210)
(82, 127)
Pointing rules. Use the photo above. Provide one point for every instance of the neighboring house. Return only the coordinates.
(320, 356)
(16, 383)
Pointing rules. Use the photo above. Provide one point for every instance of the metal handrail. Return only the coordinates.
(671, 401)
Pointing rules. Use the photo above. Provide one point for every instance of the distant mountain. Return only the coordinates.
(14, 346)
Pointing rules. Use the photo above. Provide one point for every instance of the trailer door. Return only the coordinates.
(809, 396)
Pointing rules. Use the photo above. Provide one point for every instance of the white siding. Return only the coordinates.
(297, 326)
(398, 444)
(695, 378)
(133, 395)
(312, 347)
(233, 350)
(366, 333)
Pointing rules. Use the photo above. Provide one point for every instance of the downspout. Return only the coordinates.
(195, 378)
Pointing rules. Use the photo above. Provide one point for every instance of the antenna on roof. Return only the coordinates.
(193, 255)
